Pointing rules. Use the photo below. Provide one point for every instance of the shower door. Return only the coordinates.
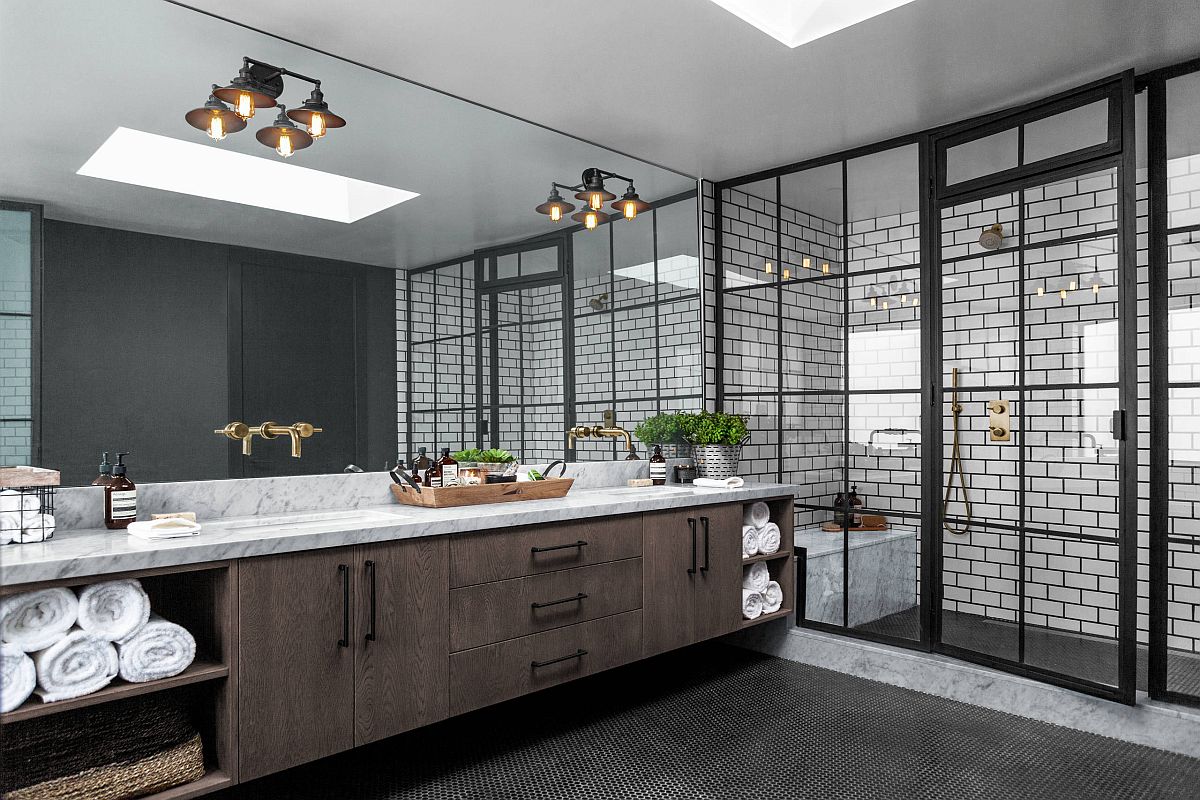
(1033, 409)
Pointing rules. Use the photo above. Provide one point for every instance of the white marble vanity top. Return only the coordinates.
(91, 552)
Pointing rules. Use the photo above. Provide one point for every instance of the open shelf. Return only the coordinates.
(211, 782)
(780, 614)
(117, 690)
(781, 553)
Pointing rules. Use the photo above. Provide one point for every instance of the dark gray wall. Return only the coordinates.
(140, 352)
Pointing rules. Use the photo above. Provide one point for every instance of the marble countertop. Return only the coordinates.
(823, 543)
(94, 552)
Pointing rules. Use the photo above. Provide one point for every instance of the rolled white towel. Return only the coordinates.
(18, 676)
(772, 597)
(719, 483)
(756, 576)
(35, 620)
(768, 539)
(159, 650)
(752, 604)
(113, 610)
(750, 542)
(10, 526)
(77, 664)
(756, 514)
(12, 500)
(37, 527)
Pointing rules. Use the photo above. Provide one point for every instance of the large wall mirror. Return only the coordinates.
(157, 284)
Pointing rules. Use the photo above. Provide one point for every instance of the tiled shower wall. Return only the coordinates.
(16, 355)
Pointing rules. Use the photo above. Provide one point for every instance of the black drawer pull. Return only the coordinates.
(574, 599)
(580, 653)
(345, 572)
(371, 631)
(692, 526)
(704, 522)
(580, 543)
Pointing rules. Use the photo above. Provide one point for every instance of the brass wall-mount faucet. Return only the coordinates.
(241, 432)
(608, 430)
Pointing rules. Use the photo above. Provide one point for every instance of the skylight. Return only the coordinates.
(797, 22)
(203, 170)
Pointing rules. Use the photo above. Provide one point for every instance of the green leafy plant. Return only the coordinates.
(662, 429)
(469, 455)
(715, 427)
(495, 456)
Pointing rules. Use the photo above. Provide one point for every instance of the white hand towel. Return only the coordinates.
(159, 650)
(18, 676)
(756, 576)
(772, 597)
(719, 483)
(35, 620)
(37, 527)
(77, 664)
(113, 610)
(12, 500)
(756, 514)
(750, 543)
(10, 526)
(752, 604)
(768, 539)
(170, 528)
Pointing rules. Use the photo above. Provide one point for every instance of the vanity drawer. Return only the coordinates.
(494, 612)
(499, 672)
(484, 557)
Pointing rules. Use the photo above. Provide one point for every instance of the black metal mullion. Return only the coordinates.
(408, 395)
(657, 322)
(566, 259)
(846, 518)
(779, 330)
(931, 401)
(1023, 235)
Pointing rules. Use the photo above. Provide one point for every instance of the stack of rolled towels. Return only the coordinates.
(60, 644)
(21, 518)
(760, 594)
(759, 534)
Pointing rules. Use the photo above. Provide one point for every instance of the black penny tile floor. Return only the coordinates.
(717, 722)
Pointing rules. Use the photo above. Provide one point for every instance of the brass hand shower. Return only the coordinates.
(956, 465)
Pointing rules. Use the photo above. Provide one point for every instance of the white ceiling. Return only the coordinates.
(686, 84)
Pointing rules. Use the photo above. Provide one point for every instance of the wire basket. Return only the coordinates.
(27, 511)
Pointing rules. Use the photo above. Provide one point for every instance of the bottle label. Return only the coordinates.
(435, 482)
(658, 471)
(124, 504)
(421, 475)
(449, 474)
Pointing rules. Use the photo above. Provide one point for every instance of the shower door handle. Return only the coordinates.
(1118, 425)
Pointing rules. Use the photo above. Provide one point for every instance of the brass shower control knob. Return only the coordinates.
(999, 422)
(998, 407)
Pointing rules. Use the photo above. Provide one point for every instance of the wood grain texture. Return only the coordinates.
(499, 672)
(669, 614)
(296, 685)
(494, 612)
(452, 496)
(401, 679)
(719, 588)
(499, 555)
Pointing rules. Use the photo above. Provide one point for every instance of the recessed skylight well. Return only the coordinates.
(797, 22)
(173, 165)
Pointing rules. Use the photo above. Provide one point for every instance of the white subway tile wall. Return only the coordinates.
(16, 343)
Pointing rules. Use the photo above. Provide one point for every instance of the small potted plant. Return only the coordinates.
(665, 431)
(469, 457)
(494, 461)
(717, 440)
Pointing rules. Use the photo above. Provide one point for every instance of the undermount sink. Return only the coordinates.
(313, 521)
(640, 492)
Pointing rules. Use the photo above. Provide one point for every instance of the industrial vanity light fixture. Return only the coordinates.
(592, 192)
(259, 85)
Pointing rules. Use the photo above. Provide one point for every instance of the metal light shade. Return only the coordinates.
(594, 184)
(631, 196)
(315, 104)
(200, 118)
(555, 201)
(271, 134)
(582, 215)
(229, 94)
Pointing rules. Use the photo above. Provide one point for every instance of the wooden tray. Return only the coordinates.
(27, 477)
(479, 495)
(834, 527)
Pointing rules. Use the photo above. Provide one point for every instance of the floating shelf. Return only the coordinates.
(781, 553)
(780, 614)
(211, 782)
(198, 672)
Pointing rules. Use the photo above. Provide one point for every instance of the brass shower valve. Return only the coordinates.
(999, 421)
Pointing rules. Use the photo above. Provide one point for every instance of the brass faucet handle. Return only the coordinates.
(268, 430)
(305, 430)
(234, 430)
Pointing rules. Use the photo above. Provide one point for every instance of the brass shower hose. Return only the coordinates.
(956, 466)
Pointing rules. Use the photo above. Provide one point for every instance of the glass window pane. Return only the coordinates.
(883, 203)
(751, 341)
(811, 213)
(748, 237)
(678, 250)
(590, 265)
(1183, 151)
(813, 335)
(1067, 132)
(534, 262)
(507, 266)
(885, 330)
(15, 261)
(980, 157)
(633, 261)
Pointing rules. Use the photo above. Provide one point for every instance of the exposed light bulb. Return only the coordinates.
(316, 125)
(630, 209)
(245, 105)
(591, 220)
(596, 200)
(787, 273)
(768, 267)
(885, 305)
(1062, 294)
(1096, 289)
(555, 213)
(1072, 286)
(903, 299)
(284, 148)
(825, 269)
(1041, 290)
(807, 262)
(916, 301)
(872, 302)
(216, 128)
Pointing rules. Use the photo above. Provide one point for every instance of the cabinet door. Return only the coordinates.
(402, 651)
(670, 542)
(296, 671)
(719, 578)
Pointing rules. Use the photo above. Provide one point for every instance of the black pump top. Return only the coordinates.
(105, 467)
(421, 450)
(445, 451)
(119, 467)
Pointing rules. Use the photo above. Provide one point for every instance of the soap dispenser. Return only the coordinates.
(105, 476)
(658, 466)
(120, 497)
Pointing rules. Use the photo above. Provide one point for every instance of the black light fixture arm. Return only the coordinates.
(273, 72)
(591, 172)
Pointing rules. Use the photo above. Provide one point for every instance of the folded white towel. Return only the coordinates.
(77, 664)
(756, 514)
(10, 526)
(752, 604)
(18, 676)
(36, 527)
(159, 650)
(113, 610)
(756, 576)
(719, 483)
(772, 597)
(750, 543)
(35, 620)
(768, 539)
(169, 528)
(12, 500)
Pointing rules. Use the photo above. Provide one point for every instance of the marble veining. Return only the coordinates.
(883, 574)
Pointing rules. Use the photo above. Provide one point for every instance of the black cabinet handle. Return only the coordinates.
(580, 653)
(573, 599)
(371, 574)
(704, 522)
(580, 543)
(345, 572)
(691, 524)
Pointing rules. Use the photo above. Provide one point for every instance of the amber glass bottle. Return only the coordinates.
(658, 466)
(448, 467)
(120, 497)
